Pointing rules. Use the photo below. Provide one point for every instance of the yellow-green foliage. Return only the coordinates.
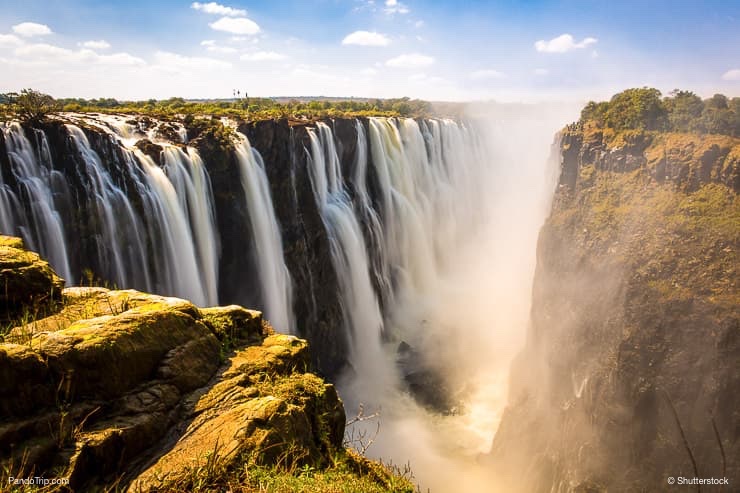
(683, 245)
(350, 473)
(681, 111)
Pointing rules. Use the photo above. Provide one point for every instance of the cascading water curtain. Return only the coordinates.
(151, 228)
(275, 281)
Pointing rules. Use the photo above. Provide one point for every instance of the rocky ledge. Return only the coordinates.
(138, 391)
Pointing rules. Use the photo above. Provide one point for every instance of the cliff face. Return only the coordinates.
(282, 146)
(307, 251)
(630, 373)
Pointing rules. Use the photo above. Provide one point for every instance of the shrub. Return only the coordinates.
(32, 106)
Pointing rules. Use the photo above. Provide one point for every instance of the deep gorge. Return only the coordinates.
(403, 250)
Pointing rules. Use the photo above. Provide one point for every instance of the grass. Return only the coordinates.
(350, 473)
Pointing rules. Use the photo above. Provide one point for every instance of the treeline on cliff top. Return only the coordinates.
(681, 111)
(30, 104)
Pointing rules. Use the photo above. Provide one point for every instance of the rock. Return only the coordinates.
(140, 389)
(634, 318)
(149, 148)
(26, 281)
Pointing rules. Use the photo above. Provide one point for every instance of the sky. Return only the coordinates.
(507, 51)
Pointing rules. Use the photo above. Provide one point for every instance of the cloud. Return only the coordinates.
(176, 62)
(29, 29)
(562, 44)
(395, 7)
(366, 38)
(419, 24)
(410, 60)
(215, 8)
(429, 79)
(235, 25)
(368, 71)
(50, 54)
(487, 74)
(211, 46)
(263, 56)
(95, 45)
(733, 75)
(541, 71)
(9, 39)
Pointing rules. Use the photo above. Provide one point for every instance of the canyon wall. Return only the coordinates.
(630, 373)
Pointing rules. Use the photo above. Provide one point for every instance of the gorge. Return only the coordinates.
(404, 251)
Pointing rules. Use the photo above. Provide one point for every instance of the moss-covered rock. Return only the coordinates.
(27, 283)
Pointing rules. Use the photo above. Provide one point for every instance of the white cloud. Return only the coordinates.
(95, 45)
(410, 60)
(429, 79)
(9, 39)
(50, 54)
(487, 74)
(733, 75)
(562, 44)
(262, 56)
(366, 38)
(235, 25)
(208, 42)
(215, 8)
(395, 7)
(368, 71)
(29, 29)
(541, 71)
(221, 49)
(418, 24)
(174, 62)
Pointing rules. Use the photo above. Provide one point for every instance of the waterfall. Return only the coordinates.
(38, 183)
(193, 189)
(146, 227)
(274, 276)
(362, 316)
(120, 243)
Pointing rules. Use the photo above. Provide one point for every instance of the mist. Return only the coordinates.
(468, 321)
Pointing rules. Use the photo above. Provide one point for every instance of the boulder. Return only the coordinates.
(26, 281)
(139, 388)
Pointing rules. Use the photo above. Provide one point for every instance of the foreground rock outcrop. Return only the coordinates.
(139, 391)
(27, 282)
(630, 374)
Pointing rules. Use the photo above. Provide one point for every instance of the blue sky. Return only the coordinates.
(439, 50)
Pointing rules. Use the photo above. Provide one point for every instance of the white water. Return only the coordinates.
(274, 276)
(458, 211)
(362, 317)
(192, 187)
(43, 230)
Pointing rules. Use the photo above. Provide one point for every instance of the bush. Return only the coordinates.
(32, 106)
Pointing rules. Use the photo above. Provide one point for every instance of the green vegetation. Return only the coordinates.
(239, 108)
(28, 105)
(681, 111)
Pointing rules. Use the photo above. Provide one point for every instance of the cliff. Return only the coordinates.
(141, 392)
(630, 372)
(85, 202)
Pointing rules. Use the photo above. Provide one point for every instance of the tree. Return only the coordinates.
(717, 117)
(33, 106)
(684, 110)
(637, 108)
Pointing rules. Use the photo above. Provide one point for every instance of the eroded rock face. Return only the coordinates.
(635, 323)
(26, 281)
(137, 388)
